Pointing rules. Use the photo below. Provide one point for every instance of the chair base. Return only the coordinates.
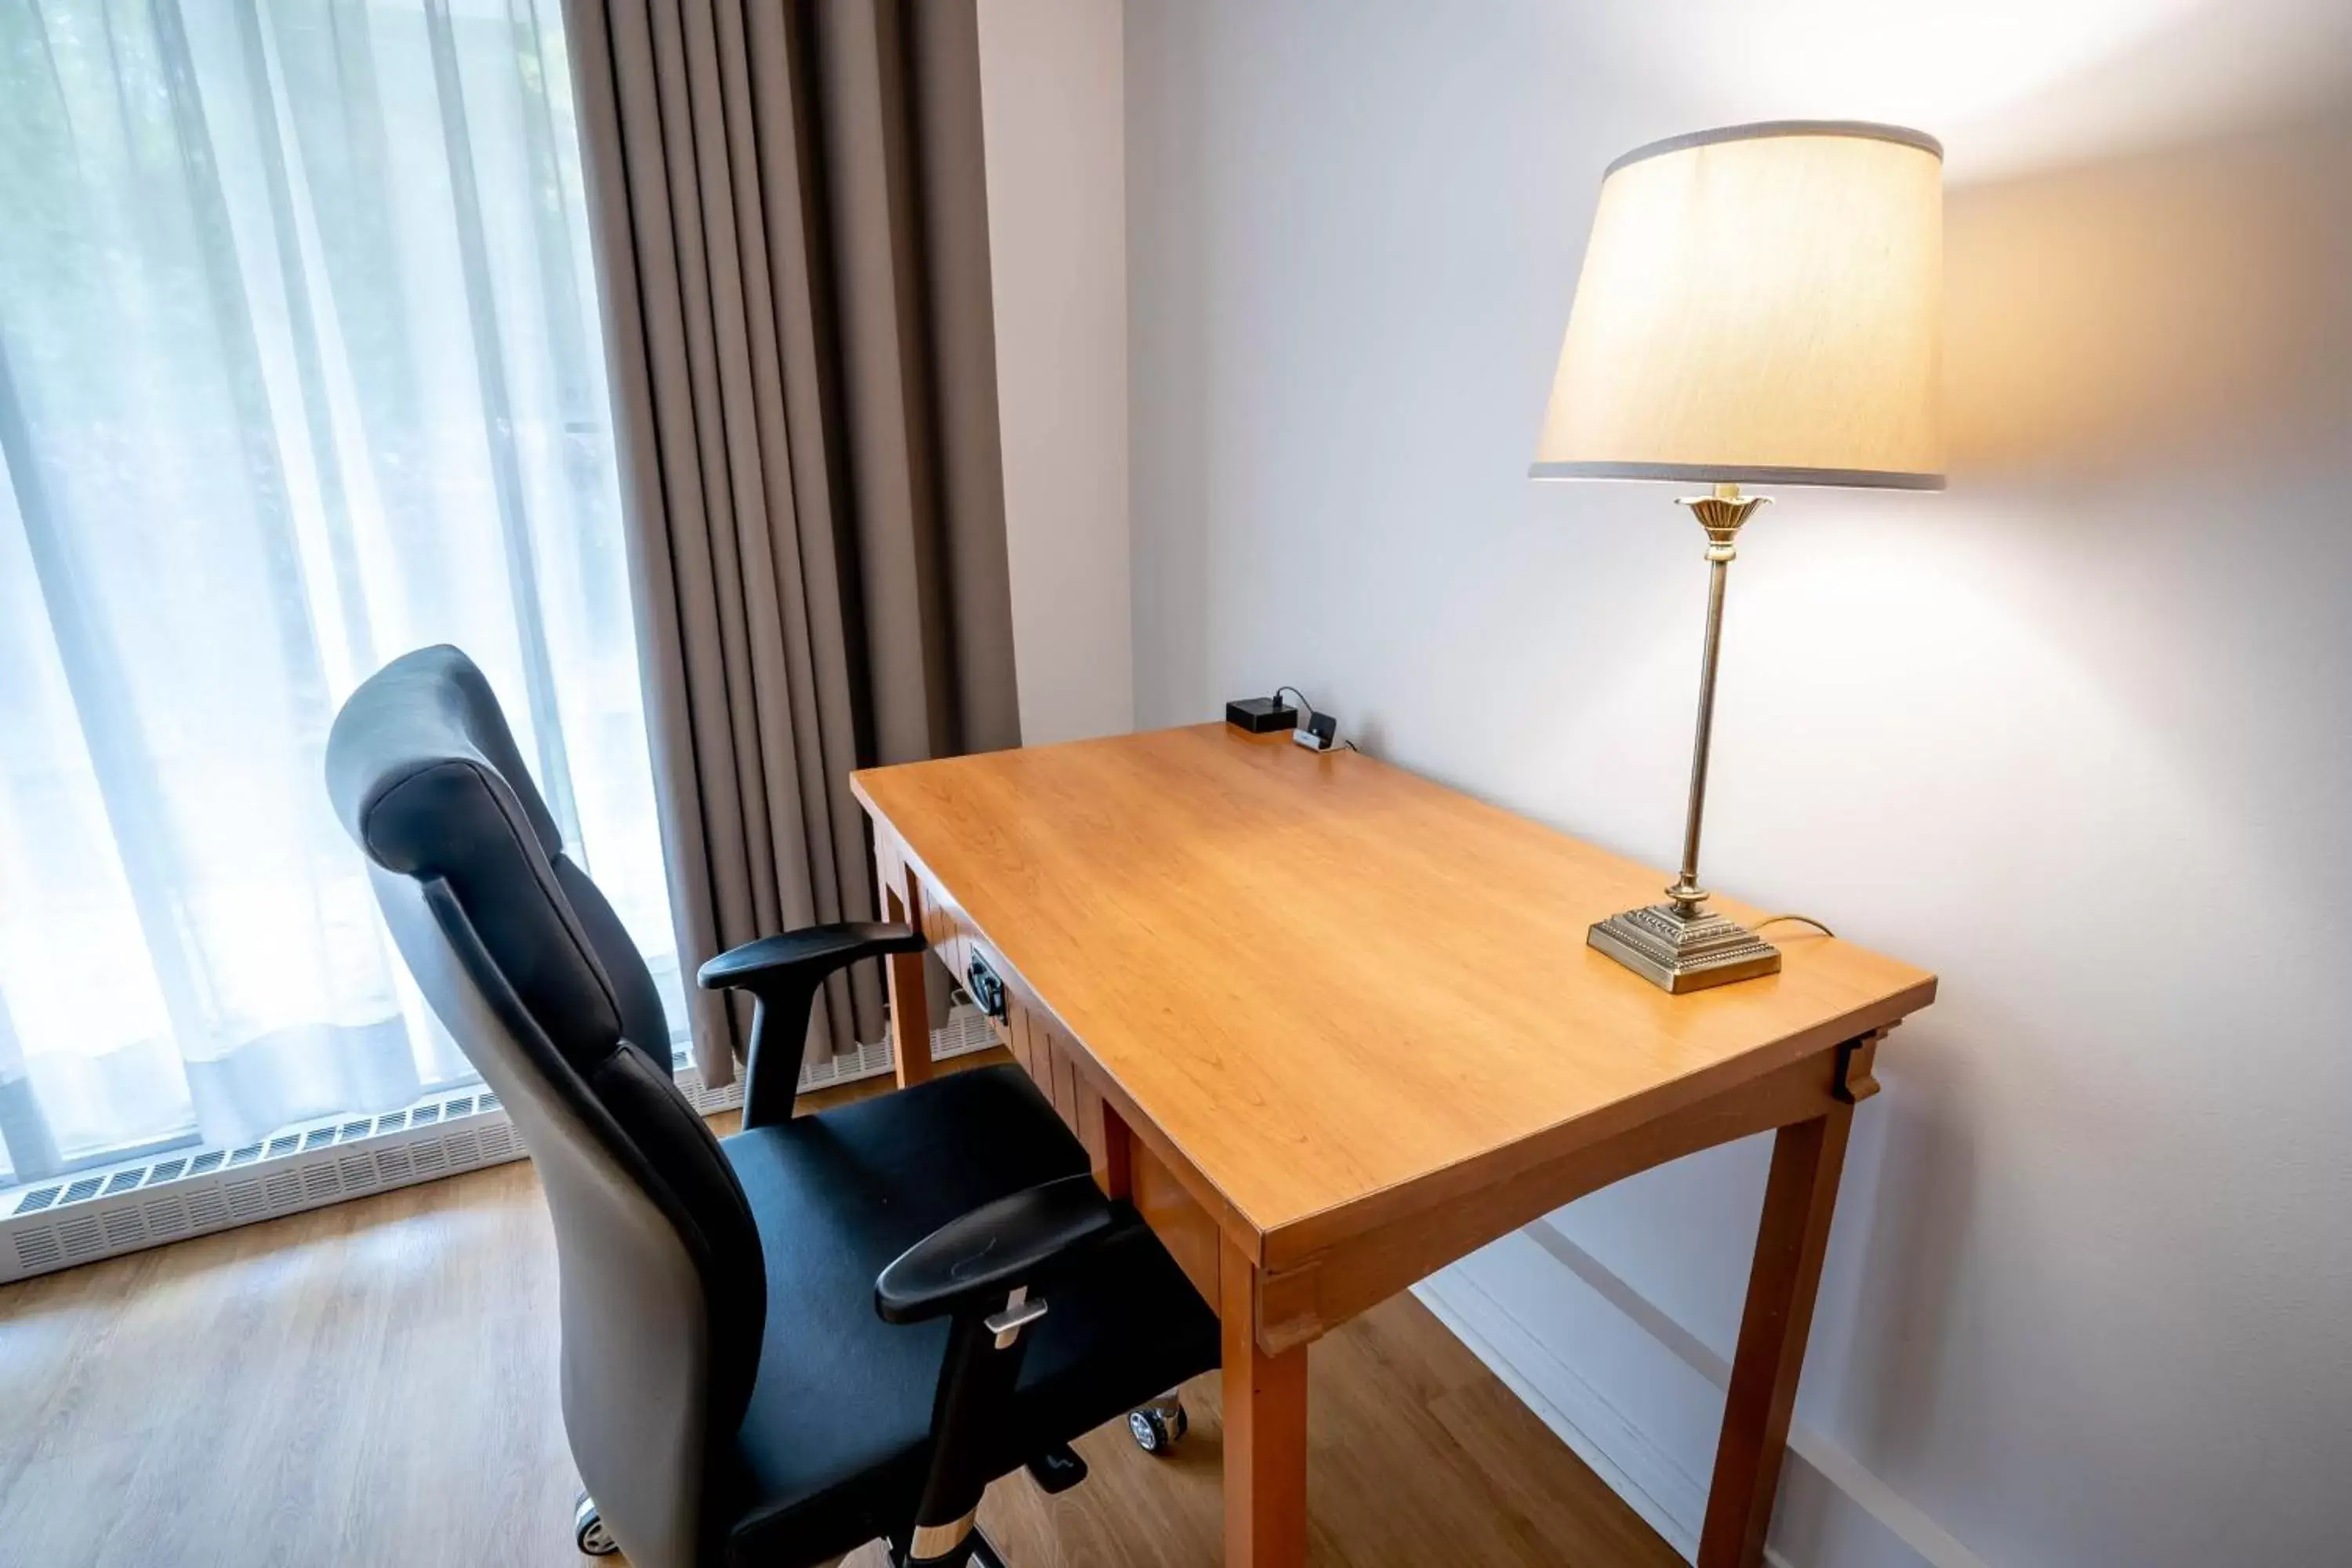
(1057, 1470)
(974, 1551)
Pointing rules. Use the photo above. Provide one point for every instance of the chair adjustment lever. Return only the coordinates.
(1020, 1309)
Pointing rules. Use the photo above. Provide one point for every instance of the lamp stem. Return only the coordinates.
(1682, 945)
(1721, 515)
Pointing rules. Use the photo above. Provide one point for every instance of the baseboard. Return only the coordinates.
(1612, 1446)
(1636, 1396)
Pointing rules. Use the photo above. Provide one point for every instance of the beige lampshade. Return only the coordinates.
(1760, 304)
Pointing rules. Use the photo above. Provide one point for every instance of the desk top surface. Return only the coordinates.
(1327, 981)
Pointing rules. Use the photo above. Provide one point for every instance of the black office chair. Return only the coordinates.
(782, 1345)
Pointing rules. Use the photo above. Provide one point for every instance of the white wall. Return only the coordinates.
(2074, 734)
(1055, 151)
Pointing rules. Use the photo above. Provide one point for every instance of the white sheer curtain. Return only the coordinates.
(298, 368)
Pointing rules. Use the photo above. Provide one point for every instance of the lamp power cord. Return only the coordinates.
(1801, 919)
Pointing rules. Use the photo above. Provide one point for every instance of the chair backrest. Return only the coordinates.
(663, 1288)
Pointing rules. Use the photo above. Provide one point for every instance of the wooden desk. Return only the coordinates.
(1332, 1026)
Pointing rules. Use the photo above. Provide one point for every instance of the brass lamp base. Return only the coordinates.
(1679, 948)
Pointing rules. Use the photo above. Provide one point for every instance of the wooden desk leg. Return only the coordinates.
(910, 1002)
(1265, 1431)
(1799, 1199)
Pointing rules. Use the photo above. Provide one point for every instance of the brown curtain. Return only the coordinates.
(793, 250)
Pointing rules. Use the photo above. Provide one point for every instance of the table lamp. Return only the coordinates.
(1760, 304)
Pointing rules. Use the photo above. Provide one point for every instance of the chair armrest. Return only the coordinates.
(783, 975)
(973, 1262)
(979, 1270)
(820, 949)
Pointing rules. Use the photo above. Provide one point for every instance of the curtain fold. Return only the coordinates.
(789, 210)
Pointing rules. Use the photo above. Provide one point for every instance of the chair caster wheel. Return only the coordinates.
(588, 1531)
(1158, 1428)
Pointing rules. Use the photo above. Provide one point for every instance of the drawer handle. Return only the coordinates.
(986, 988)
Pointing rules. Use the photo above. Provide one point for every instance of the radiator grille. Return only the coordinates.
(56, 1224)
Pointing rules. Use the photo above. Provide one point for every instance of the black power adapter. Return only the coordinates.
(1261, 715)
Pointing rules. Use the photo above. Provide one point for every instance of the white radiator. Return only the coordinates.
(64, 1220)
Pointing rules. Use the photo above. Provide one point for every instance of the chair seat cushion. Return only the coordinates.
(836, 1445)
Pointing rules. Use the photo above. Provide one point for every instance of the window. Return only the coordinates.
(299, 368)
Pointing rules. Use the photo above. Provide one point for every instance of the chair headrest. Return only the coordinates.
(425, 777)
(422, 710)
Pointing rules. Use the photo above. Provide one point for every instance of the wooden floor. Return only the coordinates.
(376, 1382)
